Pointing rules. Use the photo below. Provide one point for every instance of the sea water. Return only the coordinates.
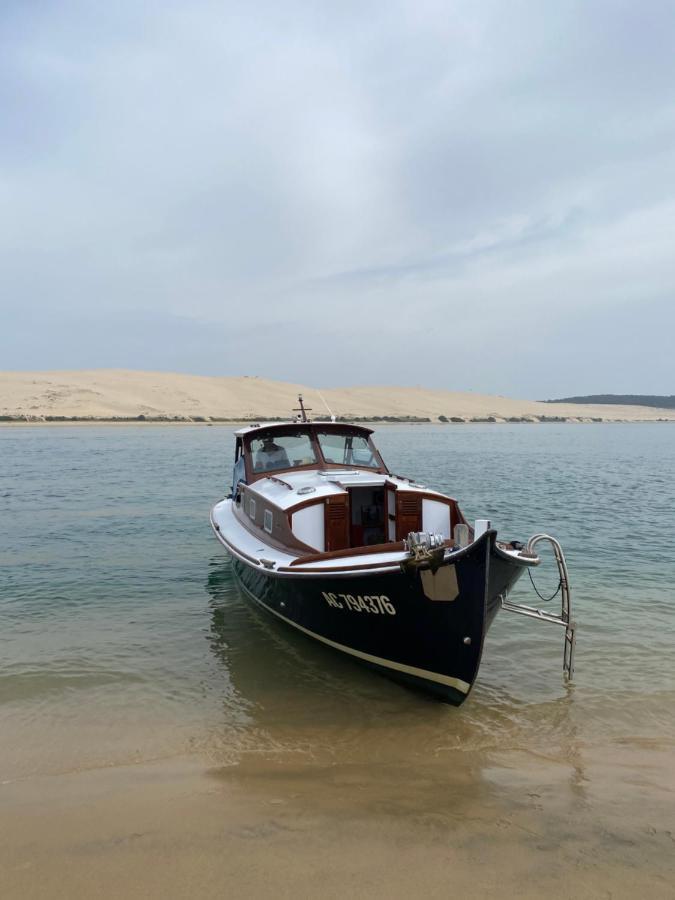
(124, 638)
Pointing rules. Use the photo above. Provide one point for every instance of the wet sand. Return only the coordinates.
(492, 825)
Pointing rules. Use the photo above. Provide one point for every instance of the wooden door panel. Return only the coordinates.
(336, 527)
(408, 513)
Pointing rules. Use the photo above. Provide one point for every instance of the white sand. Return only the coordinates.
(109, 393)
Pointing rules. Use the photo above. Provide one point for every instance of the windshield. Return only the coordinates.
(281, 451)
(347, 450)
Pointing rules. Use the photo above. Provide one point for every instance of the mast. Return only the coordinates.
(302, 410)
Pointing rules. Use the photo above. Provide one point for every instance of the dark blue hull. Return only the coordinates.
(387, 620)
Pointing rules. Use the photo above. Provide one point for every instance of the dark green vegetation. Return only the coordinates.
(166, 420)
(383, 419)
(209, 420)
(660, 402)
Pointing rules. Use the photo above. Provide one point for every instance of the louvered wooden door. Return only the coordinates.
(408, 513)
(336, 523)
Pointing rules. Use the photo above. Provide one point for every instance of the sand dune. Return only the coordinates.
(113, 393)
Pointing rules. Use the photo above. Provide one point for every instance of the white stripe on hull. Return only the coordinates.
(447, 680)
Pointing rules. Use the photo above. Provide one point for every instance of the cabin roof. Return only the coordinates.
(289, 488)
(318, 426)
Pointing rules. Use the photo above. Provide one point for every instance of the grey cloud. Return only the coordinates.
(404, 182)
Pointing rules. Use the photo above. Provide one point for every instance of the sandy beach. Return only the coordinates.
(110, 393)
(484, 825)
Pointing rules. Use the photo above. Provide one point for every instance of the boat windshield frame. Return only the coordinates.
(311, 430)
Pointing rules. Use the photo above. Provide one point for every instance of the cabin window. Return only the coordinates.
(281, 451)
(251, 507)
(238, 475)
(267, 522)
(347, 449)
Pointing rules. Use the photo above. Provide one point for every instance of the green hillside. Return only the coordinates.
(654, 400)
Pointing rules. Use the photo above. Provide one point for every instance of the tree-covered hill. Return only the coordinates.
(661, 402)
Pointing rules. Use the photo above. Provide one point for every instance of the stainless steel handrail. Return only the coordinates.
(565, 617)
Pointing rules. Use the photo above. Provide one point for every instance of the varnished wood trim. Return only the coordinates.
(392, 547)
(281, 481)
(290, 544)
(311, 428)
(320, 464)
(357, 568)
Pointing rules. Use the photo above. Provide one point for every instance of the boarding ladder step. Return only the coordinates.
(565, 617)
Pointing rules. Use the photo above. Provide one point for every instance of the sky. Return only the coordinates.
(471, 195)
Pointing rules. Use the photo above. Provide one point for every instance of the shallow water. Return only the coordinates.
(124, 641)
(124, 637)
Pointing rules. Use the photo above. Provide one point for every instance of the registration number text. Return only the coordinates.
(370, 603)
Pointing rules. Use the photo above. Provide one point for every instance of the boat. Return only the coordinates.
(325, 538)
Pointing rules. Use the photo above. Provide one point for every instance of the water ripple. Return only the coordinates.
(124, 636)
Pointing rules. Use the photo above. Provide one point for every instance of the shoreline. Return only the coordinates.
(123, 396)
(379, 422)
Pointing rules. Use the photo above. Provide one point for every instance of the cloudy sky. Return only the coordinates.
(473, 195)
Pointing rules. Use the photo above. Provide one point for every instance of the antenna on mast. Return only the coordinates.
(330, 411)
(302, 410)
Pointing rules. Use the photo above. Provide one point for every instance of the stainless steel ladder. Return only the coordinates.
(565, 617)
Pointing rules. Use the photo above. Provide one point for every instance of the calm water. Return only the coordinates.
(123, 636)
